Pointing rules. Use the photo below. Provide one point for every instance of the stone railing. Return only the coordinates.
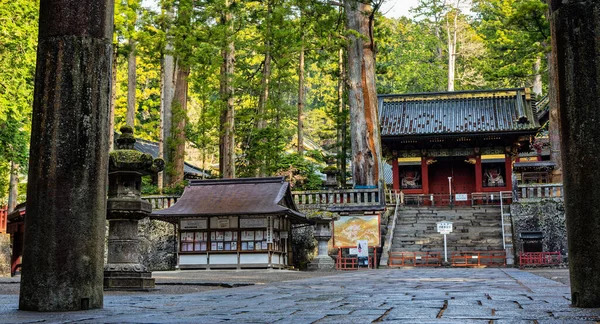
(389, 238)
(531, 192)
(338, 198)
(161, 201)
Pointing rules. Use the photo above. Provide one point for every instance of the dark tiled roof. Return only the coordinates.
(231, 197)
(465, 112)
(152, 149)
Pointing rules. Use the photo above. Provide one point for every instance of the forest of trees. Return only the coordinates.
(248, 84)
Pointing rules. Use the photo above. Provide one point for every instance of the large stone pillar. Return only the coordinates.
(66, 194)
(575, 31)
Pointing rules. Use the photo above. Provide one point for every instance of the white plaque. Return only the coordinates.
(461, 197)
(223, 223)
(194, 223)
(363, 248)
(284, 234)
(253, 222)
(269, 237)
(444, 227)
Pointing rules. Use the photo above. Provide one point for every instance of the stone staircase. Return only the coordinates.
(474, 228)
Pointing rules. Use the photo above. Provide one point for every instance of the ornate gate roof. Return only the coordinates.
(457, 113)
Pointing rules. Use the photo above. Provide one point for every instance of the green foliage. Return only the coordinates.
(299, 171)
(516, 34)
(496, 48)
(18, 43)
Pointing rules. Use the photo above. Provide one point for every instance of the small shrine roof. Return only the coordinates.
(231, 197)
(457, 113)
(152, 149)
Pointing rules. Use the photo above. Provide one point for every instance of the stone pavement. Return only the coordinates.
(394, 295)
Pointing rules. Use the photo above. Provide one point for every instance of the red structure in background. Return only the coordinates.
(16, 228)
(3, 218)
(449, 147)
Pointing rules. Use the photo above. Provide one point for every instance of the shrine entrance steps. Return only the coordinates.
(476, 228)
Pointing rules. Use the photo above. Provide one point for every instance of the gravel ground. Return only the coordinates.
(193, 281)
(556, 274)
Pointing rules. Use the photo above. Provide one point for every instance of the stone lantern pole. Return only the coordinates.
(125, 208)
(323, 262)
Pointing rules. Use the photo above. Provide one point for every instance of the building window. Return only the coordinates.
(193, 241)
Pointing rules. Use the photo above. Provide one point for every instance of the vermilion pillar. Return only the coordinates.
(425, 175)
(478, 174)
(396, 174)
(508, 178)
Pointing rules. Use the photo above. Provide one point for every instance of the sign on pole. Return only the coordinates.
(444, 227)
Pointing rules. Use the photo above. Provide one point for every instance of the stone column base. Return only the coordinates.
(125, 280)
(322, 263)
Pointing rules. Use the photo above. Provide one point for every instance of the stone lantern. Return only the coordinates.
(331, 171)
(123, 270)
(322, 262)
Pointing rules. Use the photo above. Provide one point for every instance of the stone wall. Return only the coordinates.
(546, 216)
(157, 245)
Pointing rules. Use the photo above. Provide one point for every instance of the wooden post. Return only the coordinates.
(478, 174)
(396, 173)
(425, 175)
(508, 166)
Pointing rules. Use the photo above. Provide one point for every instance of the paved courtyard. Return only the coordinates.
(394, 295)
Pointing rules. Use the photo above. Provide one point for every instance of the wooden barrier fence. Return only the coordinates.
(478, 258)
(539, 259)
(351, 263)
(415, 259)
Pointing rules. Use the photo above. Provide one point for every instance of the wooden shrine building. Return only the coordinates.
(234, 223)
(446, 147)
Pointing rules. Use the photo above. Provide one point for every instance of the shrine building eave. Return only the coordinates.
(234, 197)
(461, 113)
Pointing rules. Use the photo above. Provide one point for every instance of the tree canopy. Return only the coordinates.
(499, 43)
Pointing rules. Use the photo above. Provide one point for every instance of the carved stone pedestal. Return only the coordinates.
(323, 262)
(128, 280)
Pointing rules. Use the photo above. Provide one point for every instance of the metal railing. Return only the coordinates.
(470, 199)
(326, 199)
(528, 192)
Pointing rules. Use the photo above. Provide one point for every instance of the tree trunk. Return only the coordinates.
(227, 138)
(166, 101)
(264, 95)
(176, 143)
(554, 119)
(301, 100)
(362, 96)
(537, 81)
(341, 121)
(13, 187)
(131, 84)
(452, 33)
(113, 102)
